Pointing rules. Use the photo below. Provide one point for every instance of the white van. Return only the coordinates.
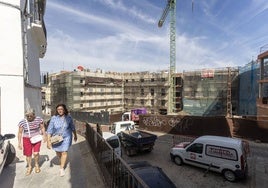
(113, 141)
(216, 153)
(119, 126)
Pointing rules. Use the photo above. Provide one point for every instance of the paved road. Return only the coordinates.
(189, 176)
(81, 171)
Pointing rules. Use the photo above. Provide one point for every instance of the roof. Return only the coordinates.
(125, 122)
(153, 176)
(107, 135)
(219, 140)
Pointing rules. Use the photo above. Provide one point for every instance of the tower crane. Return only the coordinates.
(171, 7)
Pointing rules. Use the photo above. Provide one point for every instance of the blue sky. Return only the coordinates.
(123, 36)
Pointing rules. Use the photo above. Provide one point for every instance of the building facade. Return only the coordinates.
(150, 90)
(262, 100)
(211, 92)
(95, 91)
(89, 91)
(23, 42)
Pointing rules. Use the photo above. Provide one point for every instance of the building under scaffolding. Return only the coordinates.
(87, 91)
(262, 100)
(210, 92)
(146, 89)
(248, 89)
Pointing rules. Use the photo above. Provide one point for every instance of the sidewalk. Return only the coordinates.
(81, 171)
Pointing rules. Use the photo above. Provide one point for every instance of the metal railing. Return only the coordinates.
(116, 172)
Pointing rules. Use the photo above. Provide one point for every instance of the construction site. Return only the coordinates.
(239, 94)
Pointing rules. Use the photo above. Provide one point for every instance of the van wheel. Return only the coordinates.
(229, 175)
(178, 160)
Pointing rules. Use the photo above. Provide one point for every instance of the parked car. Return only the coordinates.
(113, 141)
(153, 176)
(216, 153)
(8, 152)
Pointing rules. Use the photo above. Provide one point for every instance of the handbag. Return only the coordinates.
(58, 138)
(36, 138)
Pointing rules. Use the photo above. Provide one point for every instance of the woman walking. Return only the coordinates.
(61, 124)
(28, 128)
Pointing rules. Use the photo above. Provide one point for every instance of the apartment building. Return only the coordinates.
(211, 92)
(150, 90)
(90, 91)
(95, 91)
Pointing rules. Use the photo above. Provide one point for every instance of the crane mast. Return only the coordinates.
(171, 7)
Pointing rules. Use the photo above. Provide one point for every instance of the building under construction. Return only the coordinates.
(229, 91)
(248, 89)
(95, 91)
(262, 100)
(210, 92)
(88, 91)
(150, 90)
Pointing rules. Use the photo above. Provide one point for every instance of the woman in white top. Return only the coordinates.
(29, 127)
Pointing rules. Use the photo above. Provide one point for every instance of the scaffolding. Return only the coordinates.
(248, 89)
(210, 92)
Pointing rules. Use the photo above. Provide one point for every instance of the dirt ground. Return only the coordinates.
(189, 176)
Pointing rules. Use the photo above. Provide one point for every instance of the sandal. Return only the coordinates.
(37, 169)
(29, 171)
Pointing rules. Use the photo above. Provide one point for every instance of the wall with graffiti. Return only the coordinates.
(186, 125)
(197, 126)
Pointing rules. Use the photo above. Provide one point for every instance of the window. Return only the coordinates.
(178, 105)
(142, 91)
(142, 101)
(152, 102)
(163, 102)
(114, 143)
(152, 79)
(141, 80)
(163, 92)
(196, 148)
(152, 92)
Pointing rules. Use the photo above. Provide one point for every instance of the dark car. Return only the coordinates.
(8, 151)
(153, 176)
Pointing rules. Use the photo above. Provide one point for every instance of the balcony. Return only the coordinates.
(39, 34)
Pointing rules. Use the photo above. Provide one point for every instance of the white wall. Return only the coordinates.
(12, 107)
(11, 41)
(11, 71)
(16, 96)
